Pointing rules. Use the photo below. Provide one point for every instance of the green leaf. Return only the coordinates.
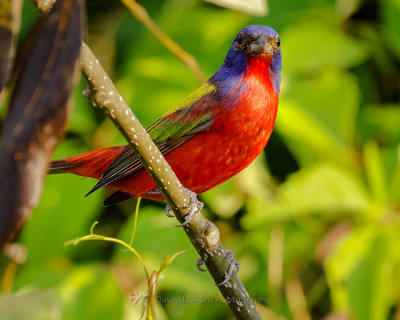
(375, 172)
(227, 198)
(390, 14)
(62, 214)
(359, 276)
(325, 188)
(224, 199)
(82, 119)
(310, 45)
(168, 260)
(31, 304)
(307, 137)
(395, 184)
(381, 123)
(332, 98)
(90, 292)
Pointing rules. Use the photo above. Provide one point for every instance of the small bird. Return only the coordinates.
(210, 136)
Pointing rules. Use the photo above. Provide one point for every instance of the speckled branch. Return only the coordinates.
(203, 234)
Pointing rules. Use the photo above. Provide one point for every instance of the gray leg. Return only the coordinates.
(231, 271)
(167, 210)
(200, 262)
(194, 205)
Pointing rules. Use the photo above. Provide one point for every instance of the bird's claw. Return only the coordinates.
(167, 210)
(231, 271)
(200, 262)
(86, 93)
(194, 205)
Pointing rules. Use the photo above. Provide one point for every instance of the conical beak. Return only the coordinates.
(261, 45)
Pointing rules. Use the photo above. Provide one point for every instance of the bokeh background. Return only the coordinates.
(314, 221)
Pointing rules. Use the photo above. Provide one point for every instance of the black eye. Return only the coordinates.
(278, 42)
(239, 40)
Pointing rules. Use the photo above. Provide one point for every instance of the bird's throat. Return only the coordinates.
(259, 68)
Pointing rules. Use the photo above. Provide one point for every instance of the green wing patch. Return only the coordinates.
(192, 111)
(190, 117)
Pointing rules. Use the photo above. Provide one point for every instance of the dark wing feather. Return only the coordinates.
(125, 164)
(116, 197)
(169, 132)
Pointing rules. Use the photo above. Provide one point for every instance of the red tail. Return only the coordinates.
(89, 164)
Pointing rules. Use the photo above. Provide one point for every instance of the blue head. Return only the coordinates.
(252, 41)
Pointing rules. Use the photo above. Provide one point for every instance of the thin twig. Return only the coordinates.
(93, 236)
(141, 14)
(135, 220)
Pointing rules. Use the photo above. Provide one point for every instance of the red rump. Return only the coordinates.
(89, 164)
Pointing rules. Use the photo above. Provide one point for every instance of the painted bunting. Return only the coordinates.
(211, 135)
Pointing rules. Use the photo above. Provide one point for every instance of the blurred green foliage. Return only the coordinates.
(315, 221)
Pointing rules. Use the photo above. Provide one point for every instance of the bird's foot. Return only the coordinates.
(233, 267)
(193, 206)
(231, 271)
(200, 262)
(167, 210)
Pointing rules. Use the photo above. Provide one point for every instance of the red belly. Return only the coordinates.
(205, 161)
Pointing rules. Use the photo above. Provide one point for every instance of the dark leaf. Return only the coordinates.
(6, 39)
(37, 112)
